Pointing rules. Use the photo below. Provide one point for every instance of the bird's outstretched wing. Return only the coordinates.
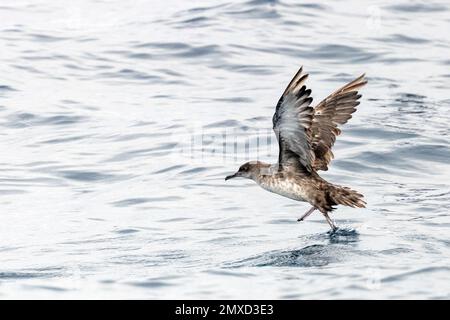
(292, 122)
(334, 110)
(305, 134)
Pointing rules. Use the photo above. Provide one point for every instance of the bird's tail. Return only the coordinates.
(345, 196)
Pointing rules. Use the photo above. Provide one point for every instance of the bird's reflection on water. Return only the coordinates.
(343, 236)
(329, 247)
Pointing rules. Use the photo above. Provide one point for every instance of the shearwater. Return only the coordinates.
(305, 137)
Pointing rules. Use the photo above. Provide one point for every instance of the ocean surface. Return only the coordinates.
(119, 121)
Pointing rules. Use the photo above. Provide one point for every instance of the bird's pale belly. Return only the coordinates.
(286, 188)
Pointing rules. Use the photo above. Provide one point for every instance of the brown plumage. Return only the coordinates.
(334, 110)
(305, 137)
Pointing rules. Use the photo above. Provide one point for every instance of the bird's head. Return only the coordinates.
(249, 170)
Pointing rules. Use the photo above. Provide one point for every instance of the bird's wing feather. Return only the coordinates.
(292, 121)
(334, 110)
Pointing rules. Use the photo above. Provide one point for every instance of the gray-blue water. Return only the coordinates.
(115, 117)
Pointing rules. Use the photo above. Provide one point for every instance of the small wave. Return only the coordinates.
(86, 176)
(46, 38)
(316, 255)
(427, 270)
(150, 284)
(168, 169)
(47, 272)
(5, 88)
(126, 231)
(136, 201)
(343, 53)
(402, 39)
(418, 7)
(128, 155)
(25, 119)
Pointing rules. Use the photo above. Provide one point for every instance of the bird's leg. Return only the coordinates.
(330, 222)
(303, 217)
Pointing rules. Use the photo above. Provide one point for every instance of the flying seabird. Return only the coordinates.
(305, 137)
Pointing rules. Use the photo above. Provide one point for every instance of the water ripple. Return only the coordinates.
(112, 132)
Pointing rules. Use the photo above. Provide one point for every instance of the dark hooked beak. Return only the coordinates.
(232, 176)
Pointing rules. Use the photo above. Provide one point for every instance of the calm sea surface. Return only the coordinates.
(119, 121)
